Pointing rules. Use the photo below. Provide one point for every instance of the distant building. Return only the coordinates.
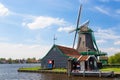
(103, 59)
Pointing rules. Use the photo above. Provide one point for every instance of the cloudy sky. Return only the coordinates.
(27, 27)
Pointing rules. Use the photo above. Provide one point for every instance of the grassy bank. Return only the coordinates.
(116, 70)
(30, 68)
(111, 69)
(39, 68)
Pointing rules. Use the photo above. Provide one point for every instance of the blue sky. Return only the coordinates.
(28, 27)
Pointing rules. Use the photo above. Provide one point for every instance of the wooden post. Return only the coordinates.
(88, 66)
(112, 74)
(100, 74)
(84, 73)
(69, 67)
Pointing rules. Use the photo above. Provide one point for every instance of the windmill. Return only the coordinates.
(86, 41)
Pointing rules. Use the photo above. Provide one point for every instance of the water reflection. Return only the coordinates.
(48, 76)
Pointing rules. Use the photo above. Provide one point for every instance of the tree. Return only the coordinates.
(111, 60)
(115, 59)
(28, 60)
(10, 60)
(33, 58)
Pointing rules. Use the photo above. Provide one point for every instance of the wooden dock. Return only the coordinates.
(93, 74)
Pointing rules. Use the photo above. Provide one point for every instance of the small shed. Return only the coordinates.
(84, 63)
(103, 59)
(88, 63)
(58, 56)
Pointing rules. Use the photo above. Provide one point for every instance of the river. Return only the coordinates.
(9, 72)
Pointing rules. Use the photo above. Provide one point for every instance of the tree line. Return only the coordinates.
(11, 61)
(115, 59)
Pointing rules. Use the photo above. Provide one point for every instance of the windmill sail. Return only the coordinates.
(78, 20)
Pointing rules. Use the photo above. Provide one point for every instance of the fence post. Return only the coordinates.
(69, 67)
(100, 74)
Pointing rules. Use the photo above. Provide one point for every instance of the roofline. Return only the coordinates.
(61, 51)
(49, 51)
(56, 46)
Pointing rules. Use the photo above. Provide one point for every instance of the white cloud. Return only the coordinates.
(118, 11)
(108, 11)
(101, 41)
(3, 10)
(102, 10)
(106, 34)
(66, 29)
(17, 51)
(104, 0)
(83, 1)
(111, 50)
(117, 43)
(43, 22)
(3, 39)
(23, 24)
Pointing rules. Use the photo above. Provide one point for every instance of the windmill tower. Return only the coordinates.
(86, 41)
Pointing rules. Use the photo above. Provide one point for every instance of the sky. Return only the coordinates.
(28, 28)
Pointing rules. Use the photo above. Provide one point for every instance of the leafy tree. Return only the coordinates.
(28, 60)
(111, 60)
(33, 58)
(2, 59)
(115, 59)
(10, 60)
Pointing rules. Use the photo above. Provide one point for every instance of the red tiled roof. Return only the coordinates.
(83, 58)
(69, 51)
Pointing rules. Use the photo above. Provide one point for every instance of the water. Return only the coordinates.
(9, 72)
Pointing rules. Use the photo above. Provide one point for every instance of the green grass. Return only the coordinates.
(31, 68)
(59, 70)
(39, 68)
(65, 70)
(111, 69)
